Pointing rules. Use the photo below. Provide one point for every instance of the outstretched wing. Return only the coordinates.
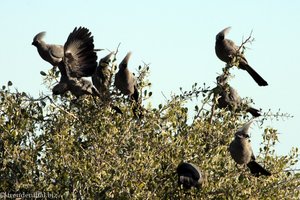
(79, 55)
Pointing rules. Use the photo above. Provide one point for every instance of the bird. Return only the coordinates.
(241, 152)
(101, 77)
(79, 61)
(189, 175)
(51, 53)
(125, 80)
(230, 99)
(226, 50)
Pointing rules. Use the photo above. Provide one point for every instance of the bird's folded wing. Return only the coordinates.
(57, 51)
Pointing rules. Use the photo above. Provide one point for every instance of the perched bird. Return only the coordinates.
(189, 175)
(79, 60)
(101, 77)
(241, 152)
(226, 50)
(125, 80)
(230, 99)
(49, 52)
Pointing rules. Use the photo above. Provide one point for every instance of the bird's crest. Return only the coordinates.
(39, 36)
(107, 59)
(221, 34)
(124, 62)
(244, 130)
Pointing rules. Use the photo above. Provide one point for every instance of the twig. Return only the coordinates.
(205, 101)
(212, 113)
(47, 97)
(246, 41)
(117, 50)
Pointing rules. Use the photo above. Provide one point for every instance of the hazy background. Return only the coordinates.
(177, 39)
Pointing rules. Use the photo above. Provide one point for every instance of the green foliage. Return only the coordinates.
(83, 148)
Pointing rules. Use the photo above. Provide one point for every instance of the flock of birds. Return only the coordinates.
(77, 59)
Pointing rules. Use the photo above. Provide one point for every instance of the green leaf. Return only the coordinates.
(43, 73)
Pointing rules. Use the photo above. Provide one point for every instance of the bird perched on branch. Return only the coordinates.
(230, 99)
(241, 152)
(79, 60)
(101, 80)
(226, 50)
(102, 75)
(51, 53)
(189, 175)
(125, 80)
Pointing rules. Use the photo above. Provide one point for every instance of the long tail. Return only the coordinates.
(254, 112)
(258, 79)
(257, 170)
(135, 95)
(137, 108)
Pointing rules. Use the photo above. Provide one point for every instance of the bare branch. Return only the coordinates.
(249, 39)
(117, 50)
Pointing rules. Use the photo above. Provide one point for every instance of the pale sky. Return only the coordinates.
(177, 38)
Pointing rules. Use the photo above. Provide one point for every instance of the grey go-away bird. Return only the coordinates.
(226, 50)
(241, 152)
(125, 80)
(79, 60)
(101, 77)
(51, 53)
(230, 99)
(189, 175)
(101, 80)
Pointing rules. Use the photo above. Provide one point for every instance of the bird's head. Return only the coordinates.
(124, 62)
(222, 79)
(221, 35)
(243, 132)
(107, 59)
(38, 38)
(242, 135)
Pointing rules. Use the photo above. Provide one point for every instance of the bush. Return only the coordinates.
(84, 149)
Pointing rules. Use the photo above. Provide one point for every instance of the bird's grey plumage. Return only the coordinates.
(60, 88)
(79, 55)
(81, 86)
(101, 77)
(226, 50)
(230, 99)
(125, 80)
(189, 175)
(79, 60)
(49, 52)
(241, 152)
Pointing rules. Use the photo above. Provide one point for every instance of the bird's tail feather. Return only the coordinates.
(258, 79)
(257, 170)
(254, 112)
(135, 95)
